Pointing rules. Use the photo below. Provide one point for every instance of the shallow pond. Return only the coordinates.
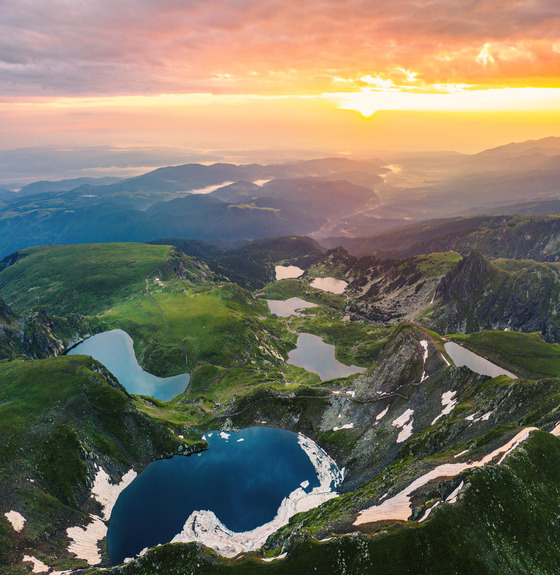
(462, 356)
(288, 307)
(313, 354)
(333, 285)
(286, 272)
(230, 497)
(115, 350)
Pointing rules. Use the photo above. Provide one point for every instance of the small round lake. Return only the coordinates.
(286, 272)
(313, 354)
(333, 285)
(288, 307)
(230, 497)
(115, 350)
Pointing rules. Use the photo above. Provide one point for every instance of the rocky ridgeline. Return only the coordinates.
(470, 295)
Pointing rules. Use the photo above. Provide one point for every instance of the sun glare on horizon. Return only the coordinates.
(368, 101)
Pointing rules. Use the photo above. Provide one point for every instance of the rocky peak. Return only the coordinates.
(409, 357)
(467, 278)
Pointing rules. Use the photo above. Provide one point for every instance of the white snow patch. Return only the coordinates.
(38, 566)
(84, 540)
(462, 453)
(205, 527)
(402, 419)
(239, 440)
(398, 507)
(445, 359)
(406, 432)
(424, 344)
(484, 417)
(345, 426)
(429, 511)
(268, 559)
(381, 415)
(224, 435)
(351, 393)
(405, 422)
(449, 402)
(107, 493)
(452, 498)
(16, 519)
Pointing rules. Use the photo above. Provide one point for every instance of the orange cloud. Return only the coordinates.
(265, 47)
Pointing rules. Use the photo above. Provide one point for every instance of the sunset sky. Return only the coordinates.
(346, 76)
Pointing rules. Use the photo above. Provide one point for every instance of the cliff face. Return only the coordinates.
(476, 296)
(37, 335)
(467, 280)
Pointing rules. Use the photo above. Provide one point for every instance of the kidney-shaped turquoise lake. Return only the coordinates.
(115, 350)
(230, 497)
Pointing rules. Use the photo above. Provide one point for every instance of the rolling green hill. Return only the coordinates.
(85, 278)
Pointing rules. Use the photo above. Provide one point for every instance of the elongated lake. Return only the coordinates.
(115, 350)
(462, 356)
(313, 354)
(230, 497)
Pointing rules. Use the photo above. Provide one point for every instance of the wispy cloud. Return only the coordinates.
(69, 47)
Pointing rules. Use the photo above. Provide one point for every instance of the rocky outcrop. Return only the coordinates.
(37, 335)
(476, 296)
(470, 277)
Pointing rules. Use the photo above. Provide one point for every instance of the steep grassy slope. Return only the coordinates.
(61, 419)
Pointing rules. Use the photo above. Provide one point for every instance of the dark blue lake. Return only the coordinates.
(115, 350)
(242, 479)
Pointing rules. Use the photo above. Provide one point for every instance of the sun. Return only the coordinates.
(366, 102)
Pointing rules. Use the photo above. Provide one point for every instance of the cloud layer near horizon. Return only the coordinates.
(102, 47)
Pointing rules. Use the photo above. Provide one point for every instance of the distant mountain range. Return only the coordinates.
(334, 200)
